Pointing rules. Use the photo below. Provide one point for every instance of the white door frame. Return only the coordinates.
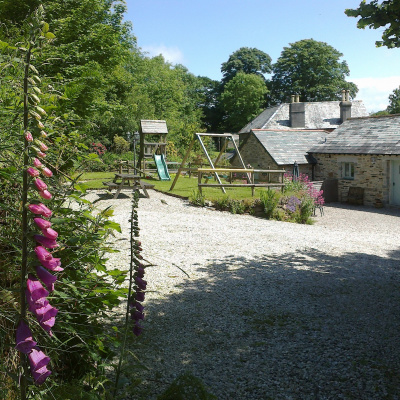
(395, 182)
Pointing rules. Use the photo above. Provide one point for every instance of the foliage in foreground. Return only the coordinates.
(82, 339)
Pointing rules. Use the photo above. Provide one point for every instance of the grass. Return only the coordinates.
(184, 187)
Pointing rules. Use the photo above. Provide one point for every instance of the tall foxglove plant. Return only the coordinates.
(34, 296)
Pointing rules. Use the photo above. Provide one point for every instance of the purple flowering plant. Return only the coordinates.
(56, 253)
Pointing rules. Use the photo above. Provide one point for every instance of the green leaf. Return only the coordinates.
(45, 27)
(113, 225)
(33, 69)
(49, 35)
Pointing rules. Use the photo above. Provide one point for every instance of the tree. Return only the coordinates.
(376, 16)
(163, 91)
(394, 102)
(91, 47)
(247, 60)
(311, 69)
(242, 100)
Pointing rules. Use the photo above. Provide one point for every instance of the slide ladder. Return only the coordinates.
(162, 168)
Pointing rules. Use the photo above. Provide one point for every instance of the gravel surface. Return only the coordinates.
(268, 309)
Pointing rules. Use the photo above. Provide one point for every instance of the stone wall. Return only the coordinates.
(371, 172)
(254, 153)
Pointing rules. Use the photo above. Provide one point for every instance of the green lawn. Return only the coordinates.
(185, 186)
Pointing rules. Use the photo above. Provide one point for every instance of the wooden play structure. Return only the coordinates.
(217, 172)
(154, 129)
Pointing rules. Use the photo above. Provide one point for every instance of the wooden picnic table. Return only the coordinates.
(128, 181)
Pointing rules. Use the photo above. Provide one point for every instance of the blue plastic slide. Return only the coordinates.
(162, 168)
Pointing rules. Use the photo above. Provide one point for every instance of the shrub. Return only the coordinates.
(120, 145)
(270, 199)
(236, 206)
(222, 204)
(198, 199)
(99, 148)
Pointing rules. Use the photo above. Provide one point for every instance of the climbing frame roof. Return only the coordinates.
(153, 127)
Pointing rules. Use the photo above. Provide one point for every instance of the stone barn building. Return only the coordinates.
(363, 155)
(274, 149)
(283, 134)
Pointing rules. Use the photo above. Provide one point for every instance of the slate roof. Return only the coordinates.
(286, 147)
(372, 135)
(318, 115)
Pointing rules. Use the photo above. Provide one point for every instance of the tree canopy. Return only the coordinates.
(394, 102)
(247, 60)
(311, 69)
(242, 100)
(384, 15)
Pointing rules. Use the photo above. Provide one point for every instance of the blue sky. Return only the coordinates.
(202, 34)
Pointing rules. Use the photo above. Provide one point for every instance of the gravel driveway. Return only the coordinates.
(270, 310)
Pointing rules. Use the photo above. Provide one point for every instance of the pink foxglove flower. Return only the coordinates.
(137, 315)
(38, 362)
(45, 194)
(141, 283)
(137, 329)
(35, 290)
(33, 172)
(46, 277)
(42, 223)
(40, 154)
(37, 163)
(40, 185)
(43, 134)
(46, 211)
(139, 307)
(50, 233)
(46, 242)
(53, 264)
(43, 254)
(40, 125)
(40, 209)
(139, 296)
(28, 136)
(35, 208)
(33, 305)
(43, 147)
(47, 172)
(48, 324)
(46, 312)
(40, 375)
(25, 342)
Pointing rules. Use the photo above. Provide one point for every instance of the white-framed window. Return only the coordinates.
(348, 170)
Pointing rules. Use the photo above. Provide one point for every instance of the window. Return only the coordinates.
(348, 170)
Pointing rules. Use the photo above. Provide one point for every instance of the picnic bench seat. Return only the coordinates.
(113, 185)
(135, 187)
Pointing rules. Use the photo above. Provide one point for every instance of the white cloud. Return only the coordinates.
(375, 91)
(170, 54)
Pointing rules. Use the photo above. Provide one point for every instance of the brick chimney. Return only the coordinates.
(345, 106)
(297, 113)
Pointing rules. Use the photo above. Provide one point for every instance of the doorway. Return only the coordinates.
(395, 182)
